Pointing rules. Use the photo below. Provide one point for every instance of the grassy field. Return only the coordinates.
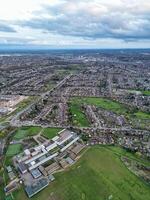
(78, 116)
(50, 132)
(98, 175)
(20, 134)
(146, 92)
(122, 152)
(25, 131)
(106, 104)
(80, 119)
(142, 115)
(13, 149)
(9, 198)
(32, 130)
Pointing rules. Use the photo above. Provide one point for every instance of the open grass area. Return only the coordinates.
(78, 116)
(13, 149)
(50, 132)
(102, 103)
(146, 92)
(25, 131)
(106, 104)
(142, 115)
(123, 152)
(2, 185)
(143, 92)
(9, 198)
(80, 119)
(32, 130)
(98, 175)
(20, 134)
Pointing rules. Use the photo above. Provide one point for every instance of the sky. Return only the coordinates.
(75, 23)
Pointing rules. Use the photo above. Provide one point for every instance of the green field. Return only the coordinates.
(78, 116)
(50, 132)
(13, 149)
(25, 131)
(146, 92)
(20, 134)
(32, 130)
(105, 104)
(9, 198)
(142, 115)
(98, 175)
(134, 156)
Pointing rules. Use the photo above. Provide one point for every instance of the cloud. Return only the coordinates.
(76, 22)
(6, 28)
(118, 19)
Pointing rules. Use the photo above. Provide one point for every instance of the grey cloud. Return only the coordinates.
(116, 22)
(6, 28)
(14, 40)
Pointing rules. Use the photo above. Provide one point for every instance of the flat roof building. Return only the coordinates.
(39, 185)
(69, 144)
(9, 169)
(43, 161)
(63, 137)
(36, 173)
(22, 168)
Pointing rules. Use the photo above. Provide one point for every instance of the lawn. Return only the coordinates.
(104, 103)
(25, 131)
(9, 198)
(20, 134)
(146, 92)
(32, 130)
(50, 132)
(98, 175)
(13, 149)
(123, 152)
(78, 116)
(142, 115)
(80, 119)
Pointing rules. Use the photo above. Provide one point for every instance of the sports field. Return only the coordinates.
(98, 175)
(13, 149)
(25, 131)
(20, 134)
(50, 132)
